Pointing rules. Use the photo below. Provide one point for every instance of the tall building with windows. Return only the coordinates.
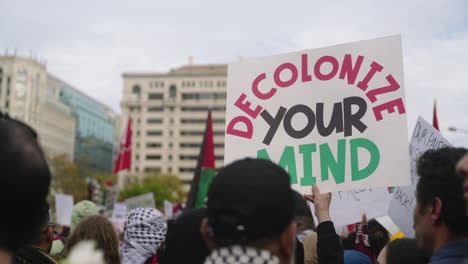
(94, 137)
(25, 94)
(168, 112)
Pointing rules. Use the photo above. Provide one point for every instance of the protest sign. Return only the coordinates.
(347, 207)
(168, 209)
(141, 201)
(120, 211)
(63, 208)
(334, 116)
(425, 137)
(110, 199)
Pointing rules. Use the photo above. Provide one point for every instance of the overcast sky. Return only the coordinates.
(90, 43)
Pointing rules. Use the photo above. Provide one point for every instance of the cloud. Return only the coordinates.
(90, 44)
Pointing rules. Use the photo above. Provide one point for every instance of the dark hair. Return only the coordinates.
(24, 183)
(438, 178)
(378, 237)
(349, 242)
(45, 224)
(405, 251)
(100, 230)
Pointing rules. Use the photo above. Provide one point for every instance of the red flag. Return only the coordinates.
(205, 171)
(124, 159)
(435, 121)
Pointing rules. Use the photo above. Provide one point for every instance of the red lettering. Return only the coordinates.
(392, 87)
(305, 68)
(375, 67)
(347, 68)
(236, 132)
(246, 106)
(390, 107)
(276, 75)
(326, 77)
(256, 91)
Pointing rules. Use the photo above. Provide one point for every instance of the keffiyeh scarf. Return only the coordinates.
(241, 254)
(144, 230)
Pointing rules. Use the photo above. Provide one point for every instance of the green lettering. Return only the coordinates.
(327, 161)
(374, 152)
(306, 151)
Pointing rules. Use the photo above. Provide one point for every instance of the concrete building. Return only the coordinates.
(25, 94)
(169, 112)
(94, 137)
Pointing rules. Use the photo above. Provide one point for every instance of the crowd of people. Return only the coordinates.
(251, 216)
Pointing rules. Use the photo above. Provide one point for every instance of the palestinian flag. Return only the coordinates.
(435, 120)
(205, 170)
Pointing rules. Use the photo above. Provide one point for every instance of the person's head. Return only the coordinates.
(46, 236)
(378, 237)
(302, 214)
(439, 215)
(144, 235)
(100, 230)
(356, 257)
(183, 235)
(250, 203)
(24, 184)
(81, 210)
(402, 251)
(462, 171)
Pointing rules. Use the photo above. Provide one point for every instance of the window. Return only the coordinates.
(186, 169)
(201, 121)
(191, 133)
(173, 91)
(188, 157)
(198, 96)
(155, 96)
(203, 108)
(8, 86)
(136, 89)
(152, 169)
(153, 133)
(220, 145)
(155, 109)
(154, 121)
(153, 145)
(219, 157)
(153, 157)
(190, 145)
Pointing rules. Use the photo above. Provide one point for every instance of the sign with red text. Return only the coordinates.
(403, 202)
(334, 116)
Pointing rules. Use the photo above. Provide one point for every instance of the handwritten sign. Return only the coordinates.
(347, 207)
(168, 209)
(141, 201)
(64, 208)
(425, 137)
(333, 116)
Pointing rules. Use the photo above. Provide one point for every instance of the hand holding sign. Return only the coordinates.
(321, 202)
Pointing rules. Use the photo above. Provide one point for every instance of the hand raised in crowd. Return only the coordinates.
(321, 203)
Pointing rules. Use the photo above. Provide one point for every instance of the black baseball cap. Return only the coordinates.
(249, 199)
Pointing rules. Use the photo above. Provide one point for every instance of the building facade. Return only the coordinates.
(25, 94)
(169, 112)
(94, 136)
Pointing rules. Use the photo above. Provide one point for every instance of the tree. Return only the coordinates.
(67, 178)
(163, 186)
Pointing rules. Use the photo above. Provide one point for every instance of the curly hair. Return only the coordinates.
(100, 230)
(438, 178)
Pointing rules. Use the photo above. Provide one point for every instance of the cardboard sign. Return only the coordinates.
(425, 137)
(120, 211)
(64, 208)
(168, 209)
(334, 116)
(141, 201)
(347, 207)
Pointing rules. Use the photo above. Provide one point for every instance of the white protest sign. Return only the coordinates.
(168, 208)
(425, 137)
(63, 208)
(110, 199)
(120, 211)
(141, 201)
(334, 116)
(347, 207)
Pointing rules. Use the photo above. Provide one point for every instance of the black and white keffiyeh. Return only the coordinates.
(241, 254)
(144, 229)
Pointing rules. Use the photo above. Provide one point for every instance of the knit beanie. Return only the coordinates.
(81, 210)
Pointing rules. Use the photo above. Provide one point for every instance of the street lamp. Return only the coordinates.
(455, 129)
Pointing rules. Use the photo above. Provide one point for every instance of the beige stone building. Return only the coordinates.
(26, 94)
(169, 112)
